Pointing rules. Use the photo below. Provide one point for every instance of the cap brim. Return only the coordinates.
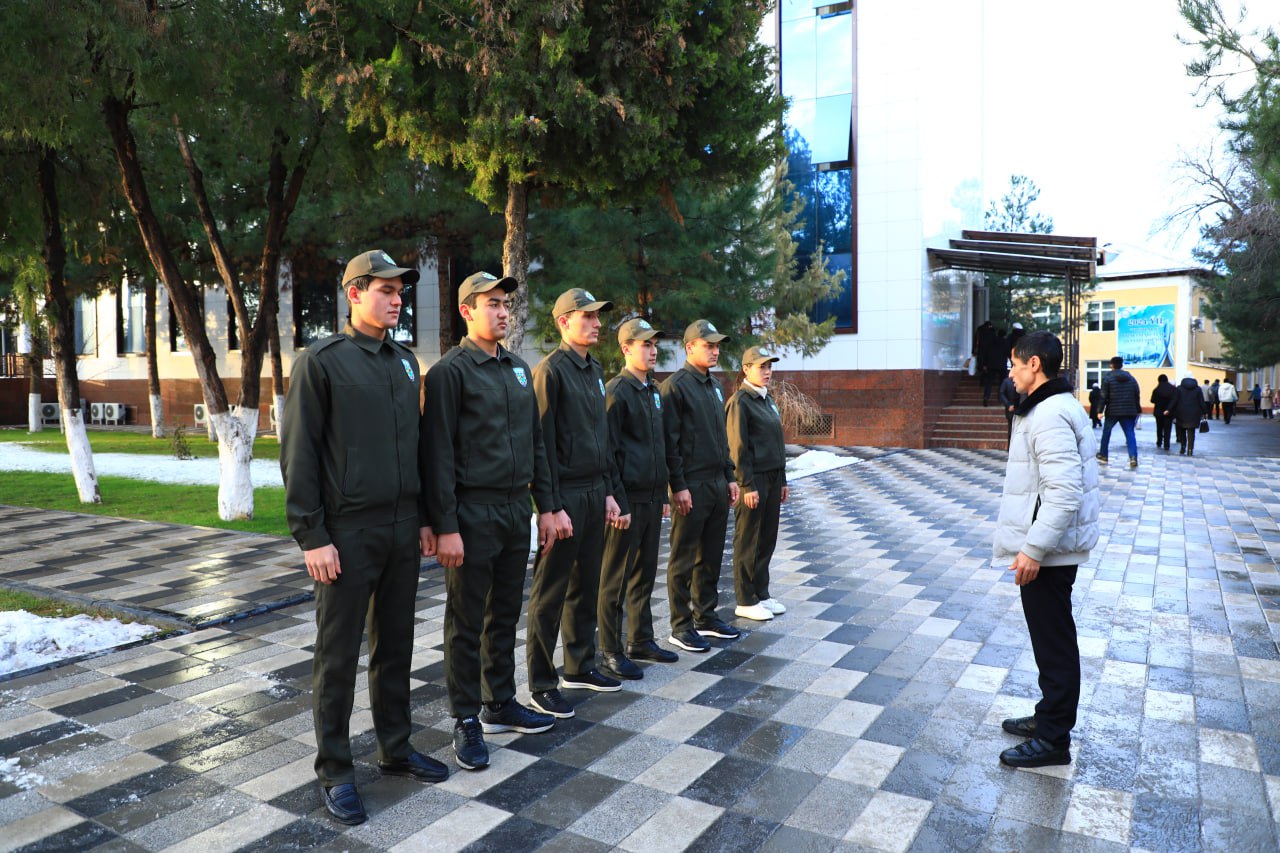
(406, 275)
(713, 338)
(643, 335)
(770, 360)
(507, 283)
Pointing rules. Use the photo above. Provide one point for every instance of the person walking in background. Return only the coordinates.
(1257, 398)
(1208, 396)
(1161, 402)
(1215, 403)
(1014, 333)
(1047, 526)
(353, 499)
(631, 552)
(1009, 399)
(1095, 405)
(1187, 410)
(1121, 403)
(758, 451)
(993, 356)
(1227, 396)
(1270, 401)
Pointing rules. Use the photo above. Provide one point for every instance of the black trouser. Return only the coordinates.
(483, 605)
(1187, 437)
(755, 536)
(626, 579)
(1046, 603)
(1215, 409)
(990, 379)
(1093, 415)
(697, 550)
(379, 581)
(1164, 426)
(566, 593)
(1228, 412)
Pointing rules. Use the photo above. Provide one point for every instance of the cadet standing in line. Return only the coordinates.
(759, 455)
(702, 487)
(566, 583)
(349, 458)
(482, 456)
(631, 551)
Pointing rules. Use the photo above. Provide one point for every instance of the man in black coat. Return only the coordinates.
(1187, 409)
(1121, 403)
(1162, 402)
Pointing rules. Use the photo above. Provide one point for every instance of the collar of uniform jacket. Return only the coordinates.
(577, 359)
(363, 341)
(478, 355)
(628, 376)
(1057, 385)
(697, 374)
(762, 393)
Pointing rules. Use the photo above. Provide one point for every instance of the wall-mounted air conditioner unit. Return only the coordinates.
(275, 421)
(113, 413)
(95, 413)
(50, 413)
(1197, 324)
(201, 415)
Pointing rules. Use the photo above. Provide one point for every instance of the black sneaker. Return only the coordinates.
(553, 703)
(651, 651)
(511, 716)
(590, 680)
(717, 628)
(689, 640)
(1020, 726)
(1036, 752)
(469, 749)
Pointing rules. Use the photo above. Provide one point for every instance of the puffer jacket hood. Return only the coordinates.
(1050, 503)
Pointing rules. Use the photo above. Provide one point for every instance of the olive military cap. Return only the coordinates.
(637, 329)
(705, 330)
(757, 355)
(378, 264)
(483, 282)
(577, 299)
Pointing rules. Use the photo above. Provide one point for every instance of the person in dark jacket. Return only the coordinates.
(1161, 402)
(1187, 410)
(993, 358)
(756, 444)
(1215, 404)
(1121, 403)
(1095, 405)
(354, 503)
(1009, 399)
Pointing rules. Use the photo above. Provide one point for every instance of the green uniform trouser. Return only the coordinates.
(697, 550)
(379, 578)
(755, 536)
(629, 570)
(482, 605)
(566, 592)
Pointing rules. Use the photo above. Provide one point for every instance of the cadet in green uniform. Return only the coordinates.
(566, 583)
(631, 551)
(757, 448)
(482, 455)
(349, 457)
(702, 487)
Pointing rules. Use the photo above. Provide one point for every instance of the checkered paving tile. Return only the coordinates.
(866, 718)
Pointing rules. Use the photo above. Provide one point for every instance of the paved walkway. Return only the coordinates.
(866, 718)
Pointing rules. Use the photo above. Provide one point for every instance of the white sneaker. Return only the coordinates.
(774, 606)
(758, 612)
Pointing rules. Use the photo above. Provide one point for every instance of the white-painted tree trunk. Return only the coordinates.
(81, 457)
(279, 404)
(236, 431)
(157, 416)
(34, 424)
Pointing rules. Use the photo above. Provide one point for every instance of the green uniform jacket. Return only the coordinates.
(349, 446)
(481, 437)
(571, 394)
(635, 437)
(756, 442)
(693, 423)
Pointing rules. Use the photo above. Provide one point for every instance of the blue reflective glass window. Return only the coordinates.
(832, 124)
(799, 61)
(833, 42)
(801, 126)
(839, 306)
(834, 191)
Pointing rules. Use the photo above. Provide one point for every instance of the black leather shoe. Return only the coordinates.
(415, 766)
(651, 651)
(620, 666)
(1020, 726)
(1036, 752)
(343, 802)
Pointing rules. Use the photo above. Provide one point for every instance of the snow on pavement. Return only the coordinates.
(817, 462)
(27, 640)
(136, 466)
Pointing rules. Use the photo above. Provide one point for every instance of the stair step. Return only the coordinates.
(969, 443)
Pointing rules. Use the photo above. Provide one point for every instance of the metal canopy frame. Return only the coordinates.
(1073, 259)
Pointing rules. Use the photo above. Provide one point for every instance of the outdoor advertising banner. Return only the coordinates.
(1145, 335)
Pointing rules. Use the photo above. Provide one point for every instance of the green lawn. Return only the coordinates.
(140, 499)
(14, 599)
(113, 441)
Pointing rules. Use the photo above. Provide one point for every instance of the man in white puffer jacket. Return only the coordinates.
(1048, 524)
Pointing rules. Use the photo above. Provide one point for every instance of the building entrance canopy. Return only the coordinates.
(1073, 259)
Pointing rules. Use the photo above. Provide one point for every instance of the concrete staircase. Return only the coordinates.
(966, 423)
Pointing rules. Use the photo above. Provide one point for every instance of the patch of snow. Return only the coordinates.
(11, 771)
(27, 640)
(136, 466)
(817, 462)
